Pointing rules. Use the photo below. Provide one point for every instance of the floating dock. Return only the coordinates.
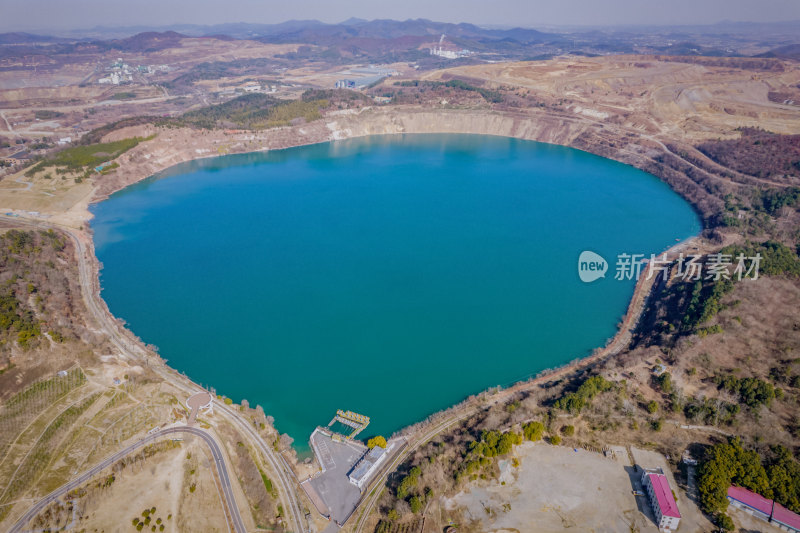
(357, 422)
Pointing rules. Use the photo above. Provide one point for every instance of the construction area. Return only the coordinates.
(558, 488)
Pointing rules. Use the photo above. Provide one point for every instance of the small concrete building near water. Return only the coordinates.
(364, 469)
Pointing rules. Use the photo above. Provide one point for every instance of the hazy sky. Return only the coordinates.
(25, 15)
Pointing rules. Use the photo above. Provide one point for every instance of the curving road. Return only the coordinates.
(131, 349)
(219, 463)
(279, 466)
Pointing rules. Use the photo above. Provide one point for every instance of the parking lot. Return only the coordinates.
(333, 487)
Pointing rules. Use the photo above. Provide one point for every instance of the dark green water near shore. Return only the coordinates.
(391, 276)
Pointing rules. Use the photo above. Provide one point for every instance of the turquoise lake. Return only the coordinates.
(390, 275)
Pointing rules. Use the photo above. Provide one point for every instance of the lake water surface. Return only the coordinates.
(392, 276)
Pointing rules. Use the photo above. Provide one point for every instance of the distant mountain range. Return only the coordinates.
(377, 39)
(387, 40)
(29, 38)
(245, 30)
(790, 51)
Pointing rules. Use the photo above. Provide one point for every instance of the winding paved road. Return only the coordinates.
(130, 348)
(216, 452)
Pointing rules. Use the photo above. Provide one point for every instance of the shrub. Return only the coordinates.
(408, 482)
(575, 401)
(533, 431)
(376, 441)
(705, 302)
(752, 391)
(493, 443)
(416, 504)
(725, 522)
(665, 382)
(568, 431)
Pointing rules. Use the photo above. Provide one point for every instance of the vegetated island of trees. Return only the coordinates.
(490, 95)
(253, 111)
(257, 111)
(84, 158)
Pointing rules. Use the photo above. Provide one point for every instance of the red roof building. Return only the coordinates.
(662, 501)
(750, 502)
(764, 508)
(785, 519)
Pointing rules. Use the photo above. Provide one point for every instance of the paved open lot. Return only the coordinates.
(560, 489)
(338, 494)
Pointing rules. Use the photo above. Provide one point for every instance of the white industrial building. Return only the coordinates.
(366, 466)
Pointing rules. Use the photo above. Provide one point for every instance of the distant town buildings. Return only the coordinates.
(120, 72)
(345, 84)
(112, 79)
(361, 77)
(764, 509)
(17, 158)
(661, 499)
(249, 87)
(446, 53)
